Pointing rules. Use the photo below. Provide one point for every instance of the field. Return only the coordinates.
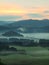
(33, 56)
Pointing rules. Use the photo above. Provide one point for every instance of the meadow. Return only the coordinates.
(34, 56)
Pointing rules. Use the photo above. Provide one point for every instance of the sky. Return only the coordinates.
(11, 10)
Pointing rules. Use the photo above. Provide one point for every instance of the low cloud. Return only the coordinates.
(35, 15)
(9, 18)
(46, 11)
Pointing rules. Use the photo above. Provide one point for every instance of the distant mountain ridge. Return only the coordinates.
(29, 26)
(31, 22)
(5, 22)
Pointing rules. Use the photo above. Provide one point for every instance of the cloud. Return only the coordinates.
(26, 9)
(11, 9)
(35, 7)
(9, 18)
(35, 15)
(46, 11)
(18, 9)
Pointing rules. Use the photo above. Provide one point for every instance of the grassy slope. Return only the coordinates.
(35, 58)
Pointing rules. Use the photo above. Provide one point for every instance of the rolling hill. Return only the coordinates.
(11, 33)
(27, 26)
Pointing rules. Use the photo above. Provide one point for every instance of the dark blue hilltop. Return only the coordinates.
(26, 26)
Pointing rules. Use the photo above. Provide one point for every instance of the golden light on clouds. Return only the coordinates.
(16, 9)
(11, 9)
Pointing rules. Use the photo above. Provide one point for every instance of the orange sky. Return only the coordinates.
(19, 10)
